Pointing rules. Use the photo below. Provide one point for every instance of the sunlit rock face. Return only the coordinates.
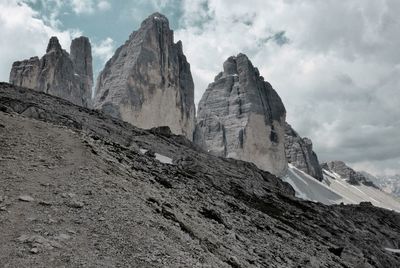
(241, 116)
(58, 73)
(148, 82)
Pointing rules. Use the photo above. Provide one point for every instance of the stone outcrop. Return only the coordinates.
(148, 82)
(299, 152)
(241, 116)
(346, 172)
(57, 73)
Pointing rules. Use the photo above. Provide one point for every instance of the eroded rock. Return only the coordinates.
(57, 73)
(148, 82)
(241, 116)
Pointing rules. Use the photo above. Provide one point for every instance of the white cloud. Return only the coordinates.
(82, 6)
(104, 50)
(89, 6)
(24, 35)
(103, 5)
(338, 76)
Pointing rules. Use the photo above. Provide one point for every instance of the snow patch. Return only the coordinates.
(162, 158)
(393, 250)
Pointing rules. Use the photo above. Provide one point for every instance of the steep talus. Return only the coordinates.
(57, 73)
(80, 188)
(148, 82)
(241, 116)
(299, 152)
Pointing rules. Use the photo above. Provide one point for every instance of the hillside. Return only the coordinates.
(81, 189)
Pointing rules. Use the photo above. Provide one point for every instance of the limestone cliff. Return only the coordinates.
(148, 82)
(241, 116)
(299, 152)
(57, 73)
(81, 56)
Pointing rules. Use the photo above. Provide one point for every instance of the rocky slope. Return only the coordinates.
(80, 183)
(353, 177)
(241, 116)
(58, 73)
(79, 189)
(299, 152)
(148, 81)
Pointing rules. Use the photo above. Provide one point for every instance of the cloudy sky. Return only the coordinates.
(336, 64)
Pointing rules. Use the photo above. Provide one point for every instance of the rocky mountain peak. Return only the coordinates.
(155, 19)
(148, 82)
(54, 45)
(241, 116)
(57, 73)
(230, 66)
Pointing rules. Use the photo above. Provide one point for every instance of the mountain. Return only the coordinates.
(80, 188)
(241, 116)
(299, 152)
(389, 184)
(336, 189)
(148, 82)
(340, 184)
(69, 76)
(353, 177)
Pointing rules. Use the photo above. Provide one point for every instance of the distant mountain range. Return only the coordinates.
(389, 184)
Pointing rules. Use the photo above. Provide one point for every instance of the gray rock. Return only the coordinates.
(148, 82)
(352, 176)
(57, 73)
(219, 212)
(299, 152)
(34, 250)
(26, 198)
(81, 56)
(241, 116)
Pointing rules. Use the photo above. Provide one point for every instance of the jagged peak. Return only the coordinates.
(231, 63)
(54, 44)
(155, 18)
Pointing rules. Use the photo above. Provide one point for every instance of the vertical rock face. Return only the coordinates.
(55, 73)
(81, 56)
(299, 152)
(241, 116)
(25, 73)
(148, 82)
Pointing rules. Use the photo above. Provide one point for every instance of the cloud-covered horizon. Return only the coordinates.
(335, 64)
